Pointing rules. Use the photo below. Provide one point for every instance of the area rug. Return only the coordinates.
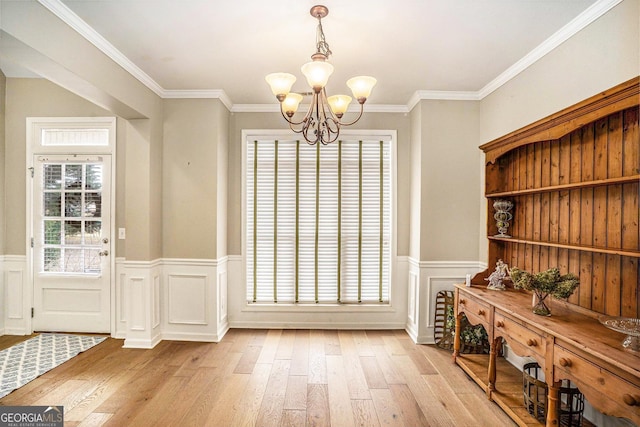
(29, 359)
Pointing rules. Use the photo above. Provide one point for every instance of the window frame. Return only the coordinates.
(249, 135)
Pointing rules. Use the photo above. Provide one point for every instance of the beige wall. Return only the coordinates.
(73, 63)
(193, 178)
(222, 179)
(449, 205)
(602, 55)
(3, 82)
(264, 121)
(415, 182)
(30, 98)
(138, 162)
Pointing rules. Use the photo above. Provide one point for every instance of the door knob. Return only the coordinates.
(103, 253)
(105, 240)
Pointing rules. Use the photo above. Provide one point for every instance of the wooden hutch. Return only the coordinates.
(573, 178)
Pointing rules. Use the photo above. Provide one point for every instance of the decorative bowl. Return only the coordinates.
(625, 325)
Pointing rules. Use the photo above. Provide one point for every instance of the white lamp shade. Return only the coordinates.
(291, 103)
(280, 83)
(339, 104)
(317, 73)
(361, 86)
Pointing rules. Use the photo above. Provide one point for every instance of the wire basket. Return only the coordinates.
(473, 339)
(570, 400)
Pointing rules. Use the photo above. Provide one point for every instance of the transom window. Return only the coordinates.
(318, 221)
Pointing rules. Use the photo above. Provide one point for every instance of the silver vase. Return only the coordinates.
(502, 216)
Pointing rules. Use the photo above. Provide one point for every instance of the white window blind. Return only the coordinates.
(318, 222)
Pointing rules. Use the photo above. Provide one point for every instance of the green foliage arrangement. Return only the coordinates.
(471, 335)
(543, 284)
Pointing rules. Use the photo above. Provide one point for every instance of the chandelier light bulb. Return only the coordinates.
(361, 87)
(291, 103)
(280, 84)
(317, 74)
(339, 104)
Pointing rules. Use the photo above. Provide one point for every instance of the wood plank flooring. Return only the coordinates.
(265, 378)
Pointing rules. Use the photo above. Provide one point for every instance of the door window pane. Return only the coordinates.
(72, 204)
(94, 177)
(52, 204)
(73, 232)
(52, 260)
(72, 238)
(93, 205)
(52, 177)
(92, 232)
(52, 232)
(73, 177)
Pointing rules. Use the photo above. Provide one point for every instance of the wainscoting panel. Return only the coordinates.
(187, 299)
(16, 296)
(223, 318)
(426, 279)
(194, 299)
(138, 313)
(141, 291)
(119, 308)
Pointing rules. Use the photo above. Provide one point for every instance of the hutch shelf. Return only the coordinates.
(574, 180)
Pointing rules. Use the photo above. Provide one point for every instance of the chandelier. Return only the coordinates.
(322, 121)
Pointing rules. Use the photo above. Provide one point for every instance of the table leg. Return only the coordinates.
(494, 348)
(552, 404)
(456, 338)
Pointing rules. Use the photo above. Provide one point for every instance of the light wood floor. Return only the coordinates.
(265, 378)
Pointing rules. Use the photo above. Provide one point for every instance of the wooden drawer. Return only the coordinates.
(605, 391)
(523, 340)
(476, 311)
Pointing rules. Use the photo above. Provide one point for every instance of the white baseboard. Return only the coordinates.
(317, 325)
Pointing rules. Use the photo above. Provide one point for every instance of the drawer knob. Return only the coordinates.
(500, 324)
(631, 400)
(532, 343)
(481, 312)
(462, 301)
(565, 362)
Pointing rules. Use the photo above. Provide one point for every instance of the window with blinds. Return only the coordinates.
(318, 221)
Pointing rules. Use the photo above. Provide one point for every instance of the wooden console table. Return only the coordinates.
(570, 344)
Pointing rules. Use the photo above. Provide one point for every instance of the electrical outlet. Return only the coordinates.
(121, 234)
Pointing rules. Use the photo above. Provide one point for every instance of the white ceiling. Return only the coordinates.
(468, 46)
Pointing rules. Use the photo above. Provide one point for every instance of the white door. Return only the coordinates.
(71, 247)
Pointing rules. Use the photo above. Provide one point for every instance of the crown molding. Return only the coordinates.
(275, 108)
(258, 108)
(593, 12)
(200, 94)
(85, 30)
(446, 95)
(581, 21)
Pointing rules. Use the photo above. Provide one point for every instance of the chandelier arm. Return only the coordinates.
(305, 134)
(330, 139)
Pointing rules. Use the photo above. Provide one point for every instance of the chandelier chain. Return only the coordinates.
(321, 43)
